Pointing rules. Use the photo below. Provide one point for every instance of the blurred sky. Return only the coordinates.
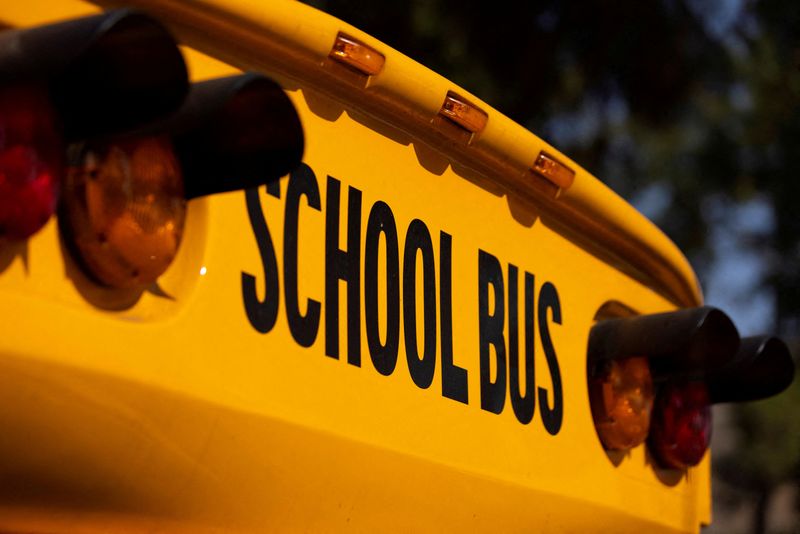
(733, 280)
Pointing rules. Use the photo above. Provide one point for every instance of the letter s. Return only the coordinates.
(262, 313)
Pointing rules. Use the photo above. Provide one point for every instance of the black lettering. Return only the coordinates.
(523, 405)
(493, 394)
(454, 378)
(418, 238)
(381, 221)
(345, 266)
(551, 417)
(262, 314)
(304, 328)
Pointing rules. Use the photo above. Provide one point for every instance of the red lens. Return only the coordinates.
(681, 426)
(30, 160)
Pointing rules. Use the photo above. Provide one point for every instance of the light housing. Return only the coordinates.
(235, 133)
(125, 197)
(687, 342)
(83, 78)
(105, 73)
(681, 349)
(763, 367)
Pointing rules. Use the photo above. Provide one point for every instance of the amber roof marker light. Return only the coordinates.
(358, 56)
(553, 170)
(464, 113)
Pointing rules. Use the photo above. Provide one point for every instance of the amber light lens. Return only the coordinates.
(124, 209)
(30, 160)
(621, 394)
(467, 115)
(357, 55)
(681, 428)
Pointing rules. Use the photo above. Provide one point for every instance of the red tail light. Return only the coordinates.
(681, 427)
(30, 160)
(695, 342)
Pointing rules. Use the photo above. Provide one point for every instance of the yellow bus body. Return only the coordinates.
(168, 411)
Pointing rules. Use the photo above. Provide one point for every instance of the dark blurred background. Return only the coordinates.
(690, 109)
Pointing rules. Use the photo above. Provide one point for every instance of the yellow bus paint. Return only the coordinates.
(168, 410)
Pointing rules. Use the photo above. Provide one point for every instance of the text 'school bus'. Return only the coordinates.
(285, 278)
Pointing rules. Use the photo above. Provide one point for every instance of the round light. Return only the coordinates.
(681, 429)
(621, 394)
(124, 209)
(30, 160)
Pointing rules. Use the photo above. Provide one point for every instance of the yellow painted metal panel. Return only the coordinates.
(168, 409)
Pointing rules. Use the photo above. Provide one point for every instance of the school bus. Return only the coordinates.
(281, 277)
